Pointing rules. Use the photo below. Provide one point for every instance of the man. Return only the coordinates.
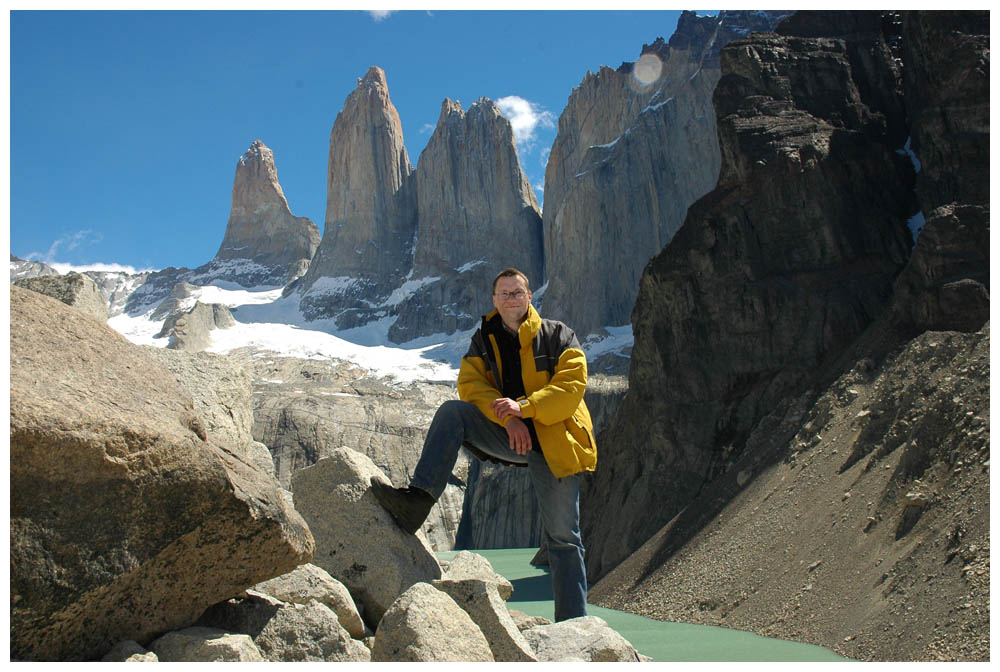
(521, 388)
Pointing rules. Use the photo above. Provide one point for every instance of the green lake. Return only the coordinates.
(660, 640)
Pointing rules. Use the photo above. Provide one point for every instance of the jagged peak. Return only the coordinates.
(375, 77)
(449, 107)
(258, 151)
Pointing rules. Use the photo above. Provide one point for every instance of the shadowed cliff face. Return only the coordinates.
(774, 274)
(636, 146)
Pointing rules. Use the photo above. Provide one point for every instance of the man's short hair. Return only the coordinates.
(511, 273)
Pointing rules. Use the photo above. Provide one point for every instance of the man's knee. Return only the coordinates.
(454, 411)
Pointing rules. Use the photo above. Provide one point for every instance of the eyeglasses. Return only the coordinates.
(510, 295)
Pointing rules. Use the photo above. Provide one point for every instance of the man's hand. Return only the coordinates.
(504, 407)
(520, 437)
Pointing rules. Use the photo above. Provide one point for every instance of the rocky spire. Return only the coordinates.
(370, 213)
(261, 227)
(476, 213)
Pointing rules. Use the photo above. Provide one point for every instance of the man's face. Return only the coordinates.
(511, 298)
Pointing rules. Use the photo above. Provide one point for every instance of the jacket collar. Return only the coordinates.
(526, 332)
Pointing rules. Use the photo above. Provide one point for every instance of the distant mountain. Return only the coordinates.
(420, 246)
(264, 244)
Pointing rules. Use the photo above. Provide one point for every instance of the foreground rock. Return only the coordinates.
(73, 289)
(585, 639)
(482, 602)
(310, 582)
(206, 645)
(185, 520)
(357, 541)
(286, 632)
(425, 625)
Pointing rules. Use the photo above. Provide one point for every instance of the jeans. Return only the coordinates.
(558, 498)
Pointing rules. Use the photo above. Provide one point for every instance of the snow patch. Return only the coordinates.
(616, 341)
(406, 290)
(339, 285)
(469, 266)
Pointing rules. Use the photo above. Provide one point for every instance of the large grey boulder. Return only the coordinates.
(584, 639)
(127, 517)
(286, 632)
(357, 541)
(309, 582)
(483, 604)
(190, 328)
(206, 645)
(73, 289)
(425, 625)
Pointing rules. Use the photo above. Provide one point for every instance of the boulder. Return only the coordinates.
(287, 632)
(357, 541)
(73, 289)
(482, 602)
(425, 625)
(584, 639)
(206, 645)
(129, 652)
(309, 582)
(468, 565)
(185, 520)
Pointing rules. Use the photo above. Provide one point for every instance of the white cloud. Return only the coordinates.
(543, 156)
(427, 128)
(525, 118)
(67, 242)
(380, 14)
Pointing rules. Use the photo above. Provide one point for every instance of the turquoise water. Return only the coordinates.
(660, 640)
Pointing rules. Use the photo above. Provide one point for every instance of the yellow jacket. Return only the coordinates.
(554, 373)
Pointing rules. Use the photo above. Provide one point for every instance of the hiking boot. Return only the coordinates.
(407, 506)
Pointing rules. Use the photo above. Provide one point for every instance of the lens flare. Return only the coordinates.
(647, 70)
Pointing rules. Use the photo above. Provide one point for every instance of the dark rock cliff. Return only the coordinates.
(784, 355)
(774, 274)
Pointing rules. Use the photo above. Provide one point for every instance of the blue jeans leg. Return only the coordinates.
(559, 503)
(454, 423)
(457, 422)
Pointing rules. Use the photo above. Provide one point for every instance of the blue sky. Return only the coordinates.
(126, 126)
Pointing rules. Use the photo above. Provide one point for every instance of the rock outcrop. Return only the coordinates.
(471, 193)
(185, 521)
(191, 329)
(309, 582)
(21, 268)
(264, 243)
(366, 248)
(73, 289)
(636, 146)
(357, 541)
(773, 276)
